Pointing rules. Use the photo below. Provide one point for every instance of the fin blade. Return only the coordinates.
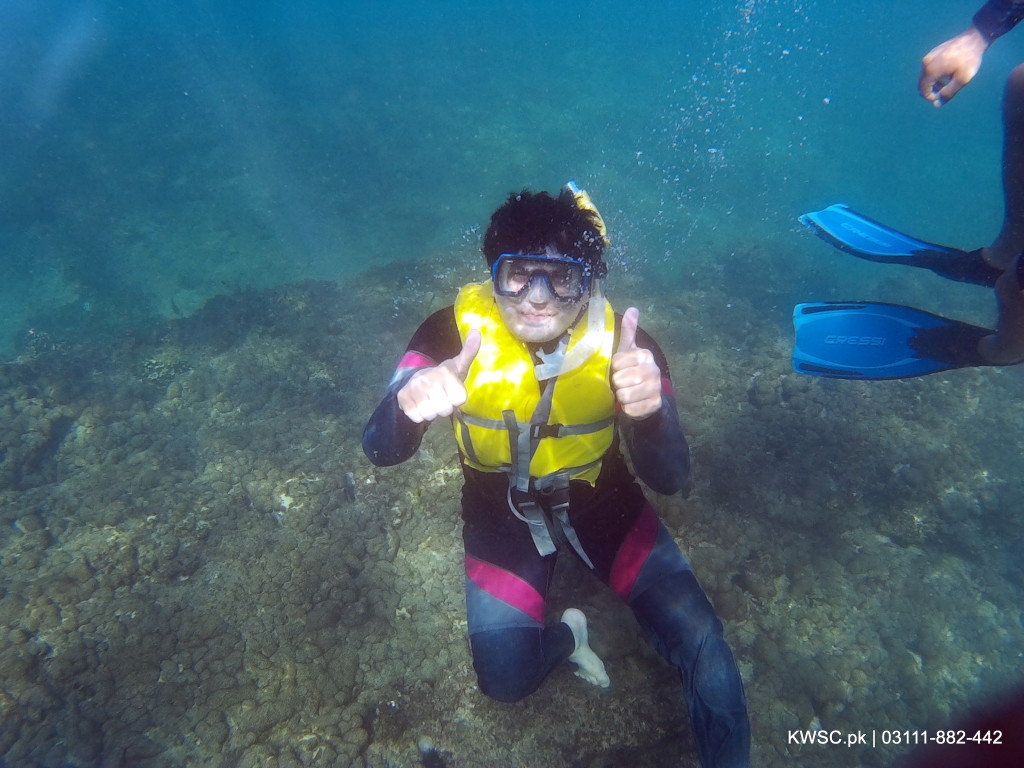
(863, 340)
(849, 231)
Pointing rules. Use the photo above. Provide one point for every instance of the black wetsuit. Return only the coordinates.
(629, 549)
(997, 17)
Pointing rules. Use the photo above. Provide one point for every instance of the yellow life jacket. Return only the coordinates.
(501, 429)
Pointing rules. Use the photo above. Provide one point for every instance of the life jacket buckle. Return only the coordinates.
(540, 431)
(530, 512)
(545, 510)
(555, 498)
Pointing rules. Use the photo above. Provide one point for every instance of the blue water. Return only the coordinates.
(155, 155)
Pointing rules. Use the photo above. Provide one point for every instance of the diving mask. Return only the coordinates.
(567, 279)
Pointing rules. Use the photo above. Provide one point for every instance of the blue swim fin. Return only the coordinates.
(849, 231)
(872, 340)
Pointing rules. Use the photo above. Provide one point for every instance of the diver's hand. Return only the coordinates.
(947, 68)
(636, 378)
(438, 391)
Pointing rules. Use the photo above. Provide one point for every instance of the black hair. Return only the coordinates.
(529, 222)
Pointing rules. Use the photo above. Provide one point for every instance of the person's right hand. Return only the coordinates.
(949, 67)
(437, 391)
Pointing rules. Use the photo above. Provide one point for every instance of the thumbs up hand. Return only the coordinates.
(438, 391)
(636, 378)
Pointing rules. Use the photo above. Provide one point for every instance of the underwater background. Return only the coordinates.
(221, 222)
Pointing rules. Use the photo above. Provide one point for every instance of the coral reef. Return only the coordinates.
(200, 567)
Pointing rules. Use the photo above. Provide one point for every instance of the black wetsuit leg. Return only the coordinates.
(512, 663)
(506, 589)
(684, 628)
(636, 556)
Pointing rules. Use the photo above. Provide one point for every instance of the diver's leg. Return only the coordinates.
(686, 631)
(511, 663)
(655, 578)
(506, 588)
(512, 649)
(1006, 345)
(1010, 241)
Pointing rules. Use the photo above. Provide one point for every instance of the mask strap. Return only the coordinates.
(585, 347)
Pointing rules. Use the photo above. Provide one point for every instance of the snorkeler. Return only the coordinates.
(916, 342)
(541, 380)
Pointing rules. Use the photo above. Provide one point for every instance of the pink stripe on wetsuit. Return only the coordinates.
(412, 359)
(633, 553)
(506, 586)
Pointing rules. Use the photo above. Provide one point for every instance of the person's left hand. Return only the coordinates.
(636, 378)
(948, 67)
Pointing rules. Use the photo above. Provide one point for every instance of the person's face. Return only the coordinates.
(538, 316)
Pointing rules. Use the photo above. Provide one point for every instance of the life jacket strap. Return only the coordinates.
(544, 507)
(530, 512)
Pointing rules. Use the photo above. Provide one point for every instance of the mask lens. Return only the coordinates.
(514, 275)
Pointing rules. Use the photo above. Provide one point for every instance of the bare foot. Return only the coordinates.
(589, 666)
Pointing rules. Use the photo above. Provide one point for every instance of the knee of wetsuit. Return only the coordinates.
(689, 634)
(507, 689)
(715, 676)
(678, 614)
(502, 672)
(701, 637)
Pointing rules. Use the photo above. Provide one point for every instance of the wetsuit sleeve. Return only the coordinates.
(997, 17)
(657, 445)
(391, 437)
